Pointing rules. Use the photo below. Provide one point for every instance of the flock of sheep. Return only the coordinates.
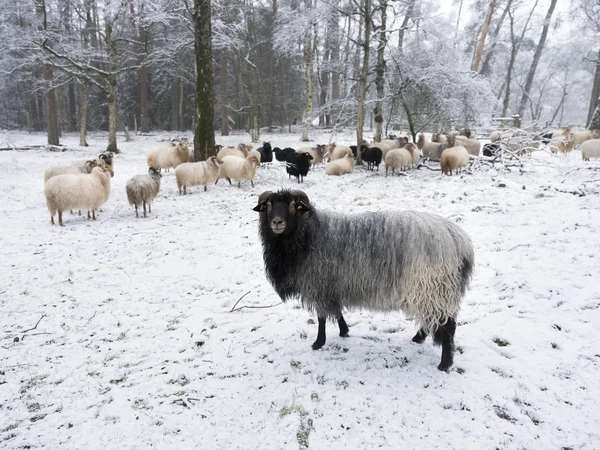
(85, 185)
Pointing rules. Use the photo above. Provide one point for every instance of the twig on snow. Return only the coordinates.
(239, 299)
(517, 246)
(31, 329)
(250, 306)
(90, 319)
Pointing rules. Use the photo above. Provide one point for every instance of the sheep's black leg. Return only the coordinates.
(60, 219)
(320, 342)
(447, 331)
(343, 327)
(136, 213)
(144, 204)
(420, 336)
(149, 207)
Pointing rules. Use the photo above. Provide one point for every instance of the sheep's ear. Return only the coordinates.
(302, 207)
(302, 202)
(262, 202)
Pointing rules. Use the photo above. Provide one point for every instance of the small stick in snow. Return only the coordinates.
(90, 319)
(31, 329)
(232, 309)
(256, 307)
(517, 246)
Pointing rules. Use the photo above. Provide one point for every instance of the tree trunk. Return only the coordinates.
(484, 32)
(595, 92)
(595, 123)
(204, 130)
(536, 59)
(181, 98)
(72, 107)
(174, 105)
(308, 65)
(380, 70)
(84, 113)
(111, 79)
(486, 66)
(51, 108)
(223, 94)
(404, 26)
(334, 26)
(362, 87)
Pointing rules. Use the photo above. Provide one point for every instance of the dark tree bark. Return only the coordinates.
(484, 32)
(595, 123)
(334, 42)
(364, 73)
(111, 79)
(380, 70)
(595, 92)
(174, 105)
(72, 122)
(223, 94)
(536, 59)
(204, 131)
(404, 26)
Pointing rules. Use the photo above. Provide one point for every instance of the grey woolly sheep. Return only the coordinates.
(172, 156)
(196, 174)
(141, 189)
(77, 191)
(428, 263)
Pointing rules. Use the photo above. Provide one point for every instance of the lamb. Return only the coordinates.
(372, 156)
(196, 174)
(239, 169)
(72, 169)
(428, 263)
(172, 156)
(398, 158)
(266, 153)
(142, 189)
(317, 153)
(454, 158)
(473, 146)
(338, 151)
(281, 154)
(340, 166)
(297, 165)
(77, 191)
(590, 149)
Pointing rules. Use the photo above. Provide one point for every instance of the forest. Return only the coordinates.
(414, 65)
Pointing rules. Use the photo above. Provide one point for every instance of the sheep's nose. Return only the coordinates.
(277, 222)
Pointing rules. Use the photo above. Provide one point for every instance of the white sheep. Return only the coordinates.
(77, 168)
(563, 143)
(141, 189)
(590, 149)
(172, 156)
(239, 169)
(77, 191)
(196, 174)
(454, 158)
(340, 166)
(398, 159)
(241, 151)
(338, 151)
(473, 146)
(318, 153)
(384, 146)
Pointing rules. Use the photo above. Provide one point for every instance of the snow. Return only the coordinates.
(137, 346)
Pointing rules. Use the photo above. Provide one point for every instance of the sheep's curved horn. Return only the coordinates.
(262, 200)
(301, 198)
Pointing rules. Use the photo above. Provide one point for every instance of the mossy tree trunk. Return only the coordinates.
(380, 71)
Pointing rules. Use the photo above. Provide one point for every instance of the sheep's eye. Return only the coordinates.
(292, 207)
(269, 207)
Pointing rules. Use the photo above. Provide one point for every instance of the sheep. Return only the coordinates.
(399, 142)
(414, 152)
(428, 263)
(564, 143)
(398, 158)
(473, 146)
(81, 191)
(439, 138)
(240, 151)
(266, 153)
(590, 149)
(372, 156)
(500, 134)
(338, 151)
(317, 153)
(172, 156)
(141, 189)
(297, 165)
(281, 154)
(580, 136)
(72, 169)
(492, 149)
(454, 158)
(340, 166)
(196, 174)
(384, 147)
(431, 150)
(239, 169)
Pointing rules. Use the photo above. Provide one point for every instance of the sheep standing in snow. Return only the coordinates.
(78, 168)
(454, 158)
(239, 169)
(431, 150)
(563, 143)
(590, 149)
(297, 165)
(172, 156)
(196, 174)
(281, 154)
(317, 153)
(77, 191)
(266, 153)
(428, 263)
(397, 159)
(473, 146)
(142, 189)
(372, 156)
(240, 151)
(340, 166)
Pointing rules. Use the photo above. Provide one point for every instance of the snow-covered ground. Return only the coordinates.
(137, 347)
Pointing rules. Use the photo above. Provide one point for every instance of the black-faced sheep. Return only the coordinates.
(428, 263)
(372, 156)
(297, 165)
(266, 153)
(281, 154)
(142, 189)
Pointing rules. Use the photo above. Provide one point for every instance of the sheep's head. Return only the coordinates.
(402, 140)
(282, 210)
(451, 140)
(154, 172)
(106, 158)
(435, 137)
(216, 161)
(182, 148)
(322, 149)
(254, 160)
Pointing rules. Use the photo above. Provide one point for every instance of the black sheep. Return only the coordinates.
(353, 148)
(491, 149)
(371, 155)
(266, 153)
(297, 165)
(281, 155)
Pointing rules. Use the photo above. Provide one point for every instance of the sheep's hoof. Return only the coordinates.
(445, 366)
(419, 337)
(344, 334)
(317, 345)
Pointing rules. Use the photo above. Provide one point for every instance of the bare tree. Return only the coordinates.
(380, 70)
(484, 32)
